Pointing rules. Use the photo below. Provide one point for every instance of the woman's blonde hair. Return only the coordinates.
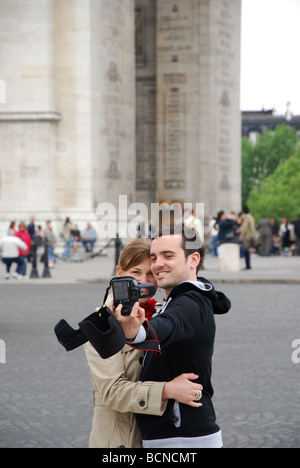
(134, 254)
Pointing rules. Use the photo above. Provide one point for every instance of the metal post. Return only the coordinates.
(34, 272)
(46, 273)
(118, 249)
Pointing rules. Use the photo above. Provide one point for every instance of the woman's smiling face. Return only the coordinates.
(141, 272)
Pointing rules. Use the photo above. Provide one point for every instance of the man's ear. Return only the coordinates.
(194, 260)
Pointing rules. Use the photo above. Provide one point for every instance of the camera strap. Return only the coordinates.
(70, 338)
(104, 332)
(101, 329)
(151, 342)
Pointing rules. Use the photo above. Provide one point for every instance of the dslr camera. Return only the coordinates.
(127, 291)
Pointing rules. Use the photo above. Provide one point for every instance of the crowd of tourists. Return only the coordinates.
(267, 237)
(23, 240)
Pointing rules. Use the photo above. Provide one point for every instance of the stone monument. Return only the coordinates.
(110, 97)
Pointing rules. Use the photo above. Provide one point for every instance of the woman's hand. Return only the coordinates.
(183, 390)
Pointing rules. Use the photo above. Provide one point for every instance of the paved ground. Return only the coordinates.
(45, 392)
(100, 268)
(257, 389)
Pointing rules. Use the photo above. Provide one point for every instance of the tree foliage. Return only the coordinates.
(259, 161)
(279, 195)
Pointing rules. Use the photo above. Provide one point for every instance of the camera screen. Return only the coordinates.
(121, 290)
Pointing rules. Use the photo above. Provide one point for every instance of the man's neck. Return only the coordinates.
(191, 278)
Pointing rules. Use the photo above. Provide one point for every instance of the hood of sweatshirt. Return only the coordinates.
(219, 301)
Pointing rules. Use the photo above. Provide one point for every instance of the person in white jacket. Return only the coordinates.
(10, 246)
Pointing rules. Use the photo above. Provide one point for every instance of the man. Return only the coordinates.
(265, 230)
(10, 246)
(225, 226)
(89, 236)
(247, 235)
(297, 232)
(32, 232)
(185, 328)
(31, 227)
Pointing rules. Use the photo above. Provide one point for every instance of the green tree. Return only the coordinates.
(279, 195)
(247, 169)
(259, 161)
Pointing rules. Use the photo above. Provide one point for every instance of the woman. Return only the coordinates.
(117, 393)
(12, 228)
(24, 235)
(67, 235)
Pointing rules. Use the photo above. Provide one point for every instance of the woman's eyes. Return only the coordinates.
(138, 273)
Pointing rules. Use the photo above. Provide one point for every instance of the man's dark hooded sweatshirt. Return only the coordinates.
(185, 328)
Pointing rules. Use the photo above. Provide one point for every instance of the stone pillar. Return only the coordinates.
(219, 171)
(145, 37)
(28, 118)
(72, 75)
(113, 100)
(198, 114)
(177, 98)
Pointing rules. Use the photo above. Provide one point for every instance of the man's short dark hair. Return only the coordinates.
(191, 241)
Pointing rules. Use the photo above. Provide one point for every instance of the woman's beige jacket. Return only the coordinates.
(117, 394)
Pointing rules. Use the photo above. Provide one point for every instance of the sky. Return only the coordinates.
(270, 55)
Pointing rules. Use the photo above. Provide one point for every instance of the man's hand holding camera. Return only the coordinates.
(130, 323)
(125, 306)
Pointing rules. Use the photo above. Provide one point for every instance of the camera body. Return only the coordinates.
(127, 291)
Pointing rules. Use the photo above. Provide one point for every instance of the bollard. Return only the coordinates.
(46, 273)
(2, 352)
(34, 272)
(230, 257)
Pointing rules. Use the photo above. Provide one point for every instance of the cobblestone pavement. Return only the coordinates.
(45, 392)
